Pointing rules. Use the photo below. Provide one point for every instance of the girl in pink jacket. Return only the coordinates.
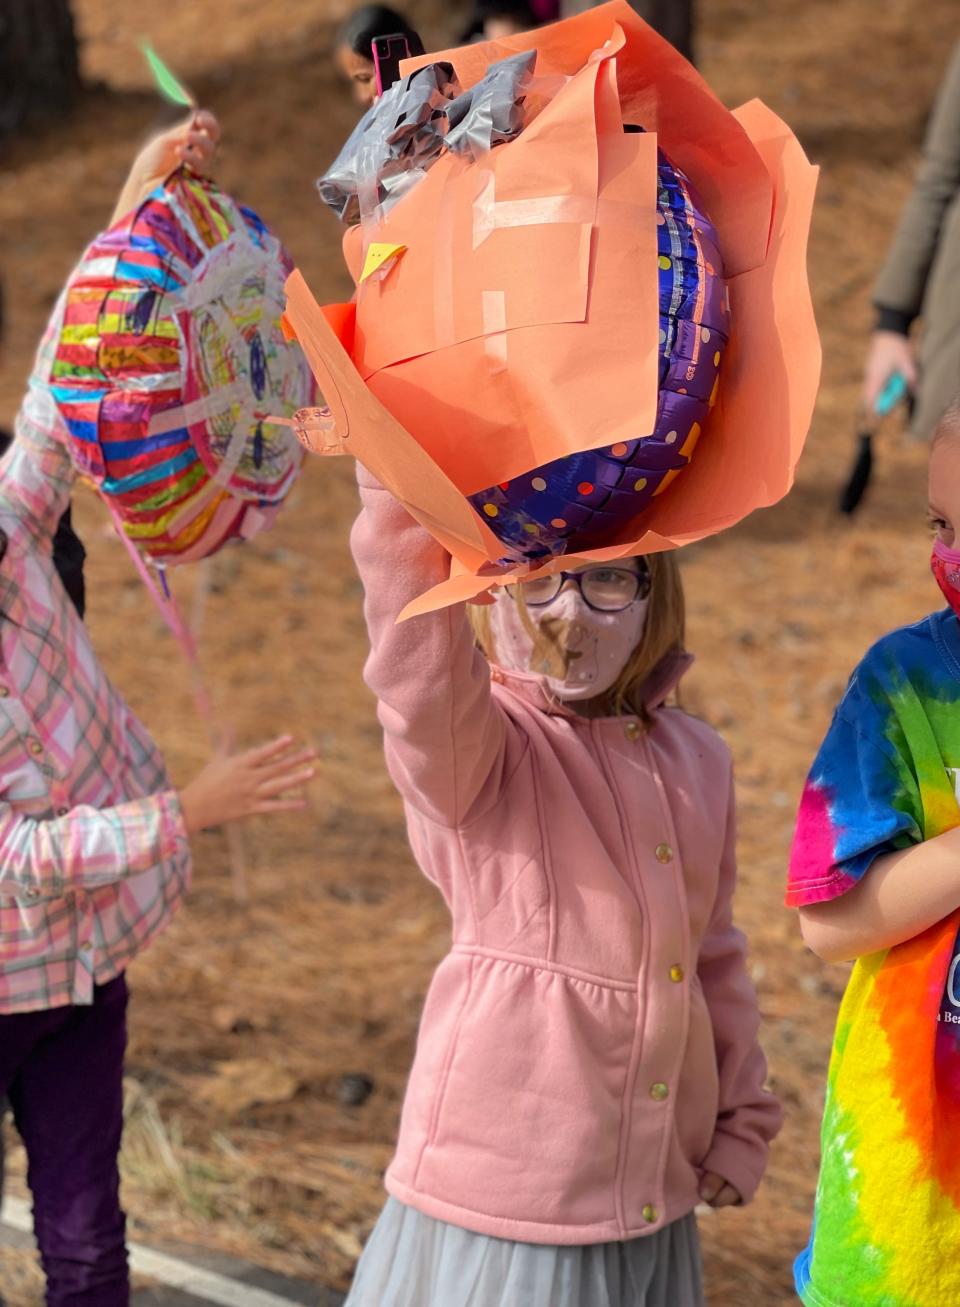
(587, 1068)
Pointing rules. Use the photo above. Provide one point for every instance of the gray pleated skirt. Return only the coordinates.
(412, 1260)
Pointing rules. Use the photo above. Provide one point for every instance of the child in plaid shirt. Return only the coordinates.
(94, 842)
(68, 559)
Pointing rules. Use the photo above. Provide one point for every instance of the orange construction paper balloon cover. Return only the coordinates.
(521, 323)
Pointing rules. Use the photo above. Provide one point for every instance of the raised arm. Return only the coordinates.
(445, 738)
(748, 1116)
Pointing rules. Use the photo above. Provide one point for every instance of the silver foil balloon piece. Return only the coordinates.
(490, 112)
(391, 146)
(404, 133)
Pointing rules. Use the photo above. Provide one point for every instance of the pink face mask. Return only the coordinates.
(945, 565)
(581, 652)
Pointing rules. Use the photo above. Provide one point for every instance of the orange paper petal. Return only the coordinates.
(569, 380)
(526, 265)
(662, 92)
(374, 436)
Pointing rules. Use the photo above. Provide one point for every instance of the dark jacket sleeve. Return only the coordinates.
(898, 294)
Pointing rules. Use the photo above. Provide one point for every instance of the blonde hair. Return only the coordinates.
(663, 634)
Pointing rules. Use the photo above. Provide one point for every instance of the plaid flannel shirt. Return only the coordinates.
(94, 855)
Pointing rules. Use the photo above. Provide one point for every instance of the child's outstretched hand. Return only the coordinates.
(715, 1191)
(266, 779)
(192, 142)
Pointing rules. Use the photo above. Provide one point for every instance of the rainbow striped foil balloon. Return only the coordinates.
(584, 500)
(170, 363)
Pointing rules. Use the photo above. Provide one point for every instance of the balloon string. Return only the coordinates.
(187, 638)
(221, 739)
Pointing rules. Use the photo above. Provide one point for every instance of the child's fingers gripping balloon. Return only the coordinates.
(199, 141)
(192, 142)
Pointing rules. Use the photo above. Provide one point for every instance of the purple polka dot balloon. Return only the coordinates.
(582, 501)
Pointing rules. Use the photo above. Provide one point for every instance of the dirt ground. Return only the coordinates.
(308, 964)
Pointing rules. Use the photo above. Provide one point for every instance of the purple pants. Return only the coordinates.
(62, 1071)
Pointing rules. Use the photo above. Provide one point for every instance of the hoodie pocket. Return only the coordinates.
(698, 1090)
(527, 1128)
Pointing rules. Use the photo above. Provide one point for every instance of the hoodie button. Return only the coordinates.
(649, 1213)
(676, 974)
(497, 675)
(659, 1091)
(632, 730)
(663, 853)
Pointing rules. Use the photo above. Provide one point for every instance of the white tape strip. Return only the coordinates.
(218, 401)
(104, 266)
(494, 303)
(209, 1286)
(198, 410)
(489, 213)
(230, 264)
(443, 315)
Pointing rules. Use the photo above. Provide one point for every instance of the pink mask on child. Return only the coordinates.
(581, 652)
(945, 565)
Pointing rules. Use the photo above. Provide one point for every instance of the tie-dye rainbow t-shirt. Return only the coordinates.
(886, 1230)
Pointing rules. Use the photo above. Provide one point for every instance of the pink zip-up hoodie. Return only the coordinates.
(589, 1045)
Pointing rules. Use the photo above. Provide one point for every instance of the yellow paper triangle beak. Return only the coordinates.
(378, 254)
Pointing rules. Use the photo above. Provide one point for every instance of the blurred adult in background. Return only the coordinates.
(673, 19)
(921, 277)
(353, 46)
(491, 20)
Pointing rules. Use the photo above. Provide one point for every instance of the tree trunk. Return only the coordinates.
(39, 68)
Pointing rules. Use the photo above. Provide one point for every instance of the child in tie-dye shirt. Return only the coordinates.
(876, 874)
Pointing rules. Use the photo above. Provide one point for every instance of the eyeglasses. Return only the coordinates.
(604, 589)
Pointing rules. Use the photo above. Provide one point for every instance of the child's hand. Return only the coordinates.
(192, 142)
(242, 784)
(715, 1191)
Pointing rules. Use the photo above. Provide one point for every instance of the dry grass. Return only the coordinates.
(322, 971)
